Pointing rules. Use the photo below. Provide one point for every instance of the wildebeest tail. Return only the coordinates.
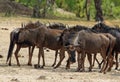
(11, 46)
(110, 48)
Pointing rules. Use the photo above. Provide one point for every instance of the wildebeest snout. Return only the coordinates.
(72, 56)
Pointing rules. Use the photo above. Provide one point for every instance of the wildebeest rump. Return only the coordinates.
(101, 27)
(88, 42)
(14, 40)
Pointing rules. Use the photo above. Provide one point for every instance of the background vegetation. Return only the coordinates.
(50, 8)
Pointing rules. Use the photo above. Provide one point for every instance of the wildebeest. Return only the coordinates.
(43, 37)
(86, 41)
(58, 26)
(78, 28)
(14, 40)
(101, 27)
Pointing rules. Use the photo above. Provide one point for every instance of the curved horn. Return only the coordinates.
(22, 24)
(44, 23)
(67, 26)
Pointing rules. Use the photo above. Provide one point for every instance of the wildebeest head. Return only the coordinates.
(72, 55)
(69, 38)
(70, 43)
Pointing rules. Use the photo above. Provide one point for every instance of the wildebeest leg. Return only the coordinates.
(116, 58)
(109, 63)
(42, 53)
(79, 62)
(29, 60)
(71, 58)
(62, 56)
(10, 62)
(83, 55)
(30, 55)
(95, 58)
(103, 54)
(56, 53)
(89, 56)
(39, 55)
(68, 64)
(16, 54)
(101, 63)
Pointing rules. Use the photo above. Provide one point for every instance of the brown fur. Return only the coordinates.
(43, 37)
(13, 40)
(89, 42)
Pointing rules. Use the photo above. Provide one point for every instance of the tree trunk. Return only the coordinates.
(87, 9)
(36, 11)
(99, 14)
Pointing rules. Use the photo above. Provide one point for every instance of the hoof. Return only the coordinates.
(77, 70)
(9, 64)
(42, 67)
(1, 56)
(116, 68)
(67, 68)
(80, 71)
(18, 65)
(104, 72)
(56, 67)
(109, 70)
(36, 66)
(90, 70)
(99, 66)
(29, 64)
(100, 71)
(53, 65)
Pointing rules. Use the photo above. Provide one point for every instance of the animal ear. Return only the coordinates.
(67, 26)
(49, 23)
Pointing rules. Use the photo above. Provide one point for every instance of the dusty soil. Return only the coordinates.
(26, 73)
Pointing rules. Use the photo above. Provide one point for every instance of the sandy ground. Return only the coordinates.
(26, 73)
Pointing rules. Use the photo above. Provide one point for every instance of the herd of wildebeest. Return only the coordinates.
(75, 40)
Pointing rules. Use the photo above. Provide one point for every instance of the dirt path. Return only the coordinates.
(26, 73)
